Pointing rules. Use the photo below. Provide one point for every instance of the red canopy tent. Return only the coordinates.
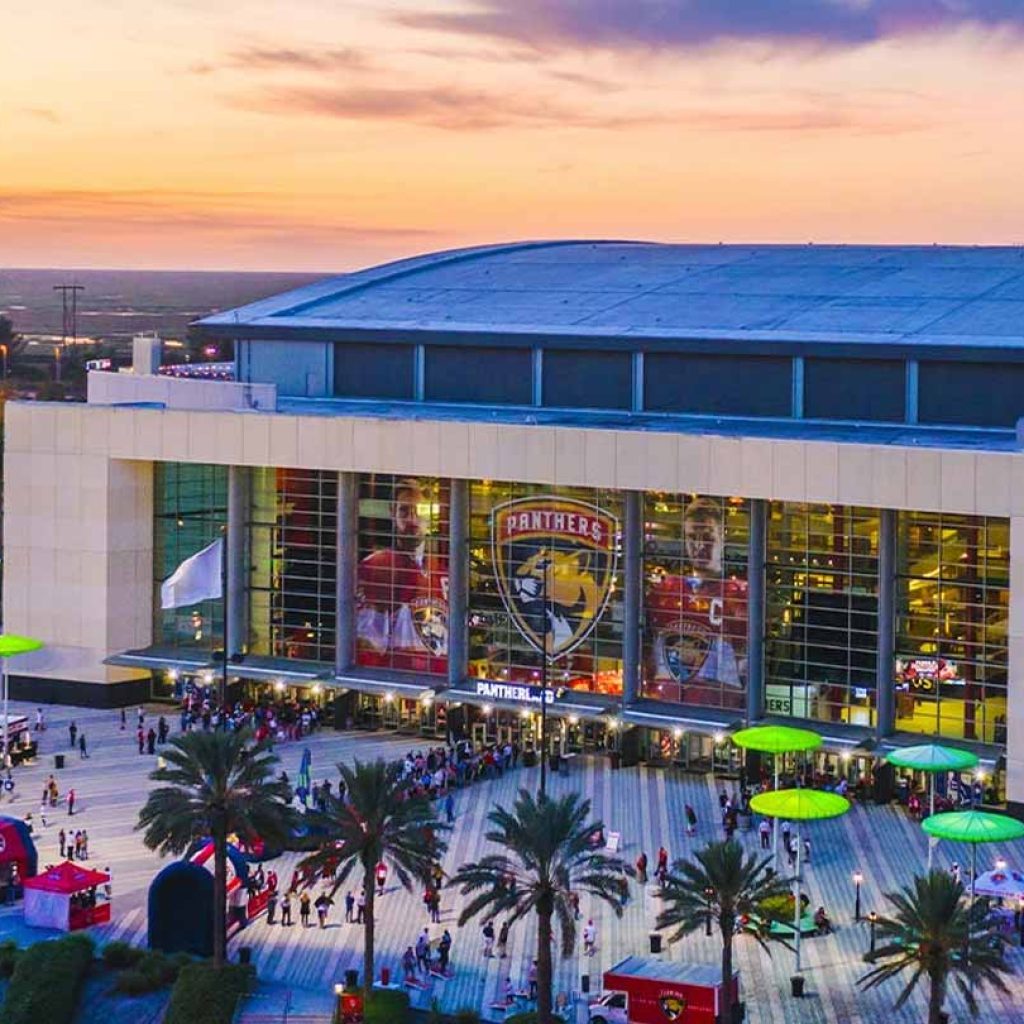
(66, 897)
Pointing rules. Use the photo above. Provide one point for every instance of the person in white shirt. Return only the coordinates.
(590, 937)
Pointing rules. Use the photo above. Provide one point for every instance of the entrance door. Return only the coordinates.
(479, 734)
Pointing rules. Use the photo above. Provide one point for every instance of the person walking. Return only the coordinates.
(350, 906)
(661, 872)
(151, 741)
(641, 868)
(691, 821)
(73, 733)
(62, 838)
(423, 951)
(807, 850)
(124, 720)
(764, 830)
(409, 966)
(271, 906)
(361, 907)
(85, 845)
(71, 801)
(381, 872)
(323, 905)
(82, 751)
(488, 936)
(785, 830)
(449, 807)
(590, 938)
(531, 978)
(444, 951)
(162, 730)
(503, 940)
(286, 910)
(141, 737)
(40, 723)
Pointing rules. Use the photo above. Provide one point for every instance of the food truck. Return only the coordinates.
(648, 991)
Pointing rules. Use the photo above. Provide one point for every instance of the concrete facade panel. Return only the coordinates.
(821, 472)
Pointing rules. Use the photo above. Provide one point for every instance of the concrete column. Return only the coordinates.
(1015, 696)
(345, 587)
(458, 582)
(633, 539)
(756, 609)
(884, 665)
(237, 609)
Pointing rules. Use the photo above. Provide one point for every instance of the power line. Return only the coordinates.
(69, 321)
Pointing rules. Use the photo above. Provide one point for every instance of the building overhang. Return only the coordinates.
(654, 714)
(164, 659)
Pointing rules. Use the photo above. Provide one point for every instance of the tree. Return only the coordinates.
(547, 854)
(216, 784)
(934, 933)
(379, 819)
(724, 885)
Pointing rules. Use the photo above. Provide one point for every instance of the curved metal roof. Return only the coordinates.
(935, 295)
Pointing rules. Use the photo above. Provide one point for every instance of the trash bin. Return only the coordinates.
(245, 955)
(655, 940)
(385, 976)
(352, 979)
(585, 984)
(58, 761)
(796, 984)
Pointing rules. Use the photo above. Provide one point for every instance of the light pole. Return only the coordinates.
(544, 682)
(873, 920)
(709, 895)
(857, 879)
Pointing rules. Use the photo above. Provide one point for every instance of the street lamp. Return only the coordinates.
(857, 879)
(873, 919)
(709, 895)
(339, 989)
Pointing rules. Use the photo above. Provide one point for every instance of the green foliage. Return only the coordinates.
(152, 971)
(387, 1007)
(119, 955)
(935, 934)
(466, 1017)
(46, 982)
(530, 1017)
(204, 994)
(9, 954)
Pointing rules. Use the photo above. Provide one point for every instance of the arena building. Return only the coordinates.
(667, 489)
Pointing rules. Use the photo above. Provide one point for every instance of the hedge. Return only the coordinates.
(118, 955)
(9, 954)
(387, 1006)
(204, 994)
(46, 982)
(153, 970)
(530, 1017)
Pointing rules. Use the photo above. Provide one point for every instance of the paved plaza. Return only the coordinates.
(646, 806)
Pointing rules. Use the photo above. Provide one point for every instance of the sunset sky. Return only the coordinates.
(330, 134)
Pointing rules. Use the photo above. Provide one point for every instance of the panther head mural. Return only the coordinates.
(555, 563)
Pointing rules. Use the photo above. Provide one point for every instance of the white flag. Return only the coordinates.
(198, 578)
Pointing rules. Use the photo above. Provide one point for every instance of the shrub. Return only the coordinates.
(46, 982)
(9, 954)
(204, 994)
(466, 1017)
(530, 1017)
(153, 971)
(387, 1007)
(118, 955)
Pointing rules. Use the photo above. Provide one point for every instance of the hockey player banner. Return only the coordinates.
(554, 563)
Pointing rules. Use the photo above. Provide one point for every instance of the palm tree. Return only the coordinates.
(934, 932)
(216, 784)
(379, 819)
(724, 885)
(547, 854)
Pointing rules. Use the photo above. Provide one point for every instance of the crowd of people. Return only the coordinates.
(276, 719)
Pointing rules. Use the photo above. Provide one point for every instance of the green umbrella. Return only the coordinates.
(776, 740)
(10, 645)
(933, 758)
(974, 827)
(800, 805)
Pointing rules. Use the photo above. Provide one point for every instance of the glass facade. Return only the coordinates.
(190, 504)
(545, 577)
(952, 600)
(695, 599)
(821, 614)
(293, 559)
(402, 575)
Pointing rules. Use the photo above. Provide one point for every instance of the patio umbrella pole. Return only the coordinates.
(775, 821)
(931, 812)
(797, 908)
(974, 875)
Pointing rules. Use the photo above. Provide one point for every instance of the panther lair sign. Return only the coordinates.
(554, 562)
(510, 691)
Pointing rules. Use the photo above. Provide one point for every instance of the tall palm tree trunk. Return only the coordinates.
(935, 998)
(728, 927)
(220, 896)
(544, 971)
(368, 924)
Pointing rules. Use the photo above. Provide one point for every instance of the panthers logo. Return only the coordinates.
(555, 561)
(673, 1007)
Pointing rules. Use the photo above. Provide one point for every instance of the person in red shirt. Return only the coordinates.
(698, 619)
(402, 592)
(381, 873)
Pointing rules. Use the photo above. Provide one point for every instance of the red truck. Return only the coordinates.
(660, 992)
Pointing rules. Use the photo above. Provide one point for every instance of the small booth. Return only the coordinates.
(67, 897)
(18, 859)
